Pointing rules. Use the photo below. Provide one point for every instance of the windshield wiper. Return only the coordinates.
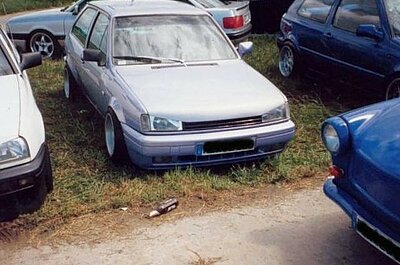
(150, 59)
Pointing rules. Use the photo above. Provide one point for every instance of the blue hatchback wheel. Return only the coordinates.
(286, 61)
(393, 89)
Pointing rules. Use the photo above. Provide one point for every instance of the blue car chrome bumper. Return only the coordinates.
(182, 150)
(365, 223)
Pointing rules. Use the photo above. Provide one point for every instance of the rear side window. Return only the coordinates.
(353, 13)
(317, 10)
(82, 25)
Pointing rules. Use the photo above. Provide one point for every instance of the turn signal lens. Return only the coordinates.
(336, 171)
(233, 22)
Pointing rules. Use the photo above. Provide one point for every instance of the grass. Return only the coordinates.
(13, 6)
(87, 182)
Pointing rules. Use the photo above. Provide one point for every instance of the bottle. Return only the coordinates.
(165, 207)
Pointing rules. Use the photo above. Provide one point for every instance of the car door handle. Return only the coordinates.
(328, 35)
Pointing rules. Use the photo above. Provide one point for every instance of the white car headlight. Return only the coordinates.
(13, 152)
(280, 113)
(157, 124)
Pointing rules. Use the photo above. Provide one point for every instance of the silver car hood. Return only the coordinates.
(39, 16)
(225, 90)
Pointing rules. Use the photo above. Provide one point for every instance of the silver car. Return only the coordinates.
(233, 17)
(172, 87)
(43, 31)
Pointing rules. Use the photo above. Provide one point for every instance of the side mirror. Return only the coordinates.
(76, 10)
(369, 31)
(92, 55)
(29, 60)
(245, 48)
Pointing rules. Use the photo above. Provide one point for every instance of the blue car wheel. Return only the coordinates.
(393, 88)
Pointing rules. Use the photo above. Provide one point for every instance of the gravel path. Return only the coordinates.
(304, 228)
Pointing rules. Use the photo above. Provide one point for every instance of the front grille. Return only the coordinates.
(221, 124)
(382, 242)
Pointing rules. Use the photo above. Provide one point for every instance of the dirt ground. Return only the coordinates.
(289, 227)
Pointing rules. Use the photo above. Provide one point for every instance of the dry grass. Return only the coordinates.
(86, 182)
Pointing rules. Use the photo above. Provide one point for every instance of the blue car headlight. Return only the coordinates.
(14, 152)
(158, 124)
(335, 135)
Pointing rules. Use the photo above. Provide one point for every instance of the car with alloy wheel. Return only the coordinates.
(25, 168)
(172, 88)
(43, 31)
(346, 39)
(365, 175)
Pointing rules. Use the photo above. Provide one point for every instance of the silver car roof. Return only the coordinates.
(146, 7)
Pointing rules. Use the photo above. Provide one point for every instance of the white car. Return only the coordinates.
(25, 170)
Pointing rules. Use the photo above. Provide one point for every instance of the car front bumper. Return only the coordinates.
(25, 176)
(169, 151)
(364, 222)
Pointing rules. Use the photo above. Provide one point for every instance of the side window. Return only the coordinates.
(317, 10)
(98, 37)
(353, 13)
(81, 27)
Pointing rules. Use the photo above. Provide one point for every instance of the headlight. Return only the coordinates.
(13, 152)
(280, 113)
(157, 124)
(331, 139)
(335, 135)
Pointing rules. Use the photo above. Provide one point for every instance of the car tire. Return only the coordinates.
(70, 87)
(288, 61)
(8, 208)
(32, 199)
(392, 88)
(114, 138)
(45, 43)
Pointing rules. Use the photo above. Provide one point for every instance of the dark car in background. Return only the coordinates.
(356, 40)
(266, 14)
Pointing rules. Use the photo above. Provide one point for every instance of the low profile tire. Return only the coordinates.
(393, 88)
(288, 61)
(70, 85)
(45, 43)
(114, 138)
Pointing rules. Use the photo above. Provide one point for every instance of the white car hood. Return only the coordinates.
(226, 90)
(9, 108)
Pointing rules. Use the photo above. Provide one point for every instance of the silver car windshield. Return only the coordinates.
(163, 39)
(393, 11)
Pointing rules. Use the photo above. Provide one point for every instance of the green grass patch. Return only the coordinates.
(86, 181)
(13, 6)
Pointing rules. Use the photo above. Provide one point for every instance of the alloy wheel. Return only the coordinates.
(109, 134)
(286, 61)
(393, 89)
(43, 43)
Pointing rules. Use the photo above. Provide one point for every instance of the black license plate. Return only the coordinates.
(229, 146)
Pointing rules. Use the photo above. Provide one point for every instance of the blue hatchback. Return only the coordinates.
(349, 39)
(365, 182)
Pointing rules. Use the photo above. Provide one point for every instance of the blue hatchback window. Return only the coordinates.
(317, 10)
(353, 13)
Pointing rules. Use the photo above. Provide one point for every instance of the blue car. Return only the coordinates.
(365, 182)
(355, 40)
